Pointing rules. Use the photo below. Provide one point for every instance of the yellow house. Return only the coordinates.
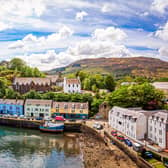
(70, 110)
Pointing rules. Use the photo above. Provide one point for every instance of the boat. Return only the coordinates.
(52, 127)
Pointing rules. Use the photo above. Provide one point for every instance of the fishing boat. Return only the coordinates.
(52, 127)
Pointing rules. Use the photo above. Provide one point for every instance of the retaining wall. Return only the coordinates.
(31, 124)
(140, 162)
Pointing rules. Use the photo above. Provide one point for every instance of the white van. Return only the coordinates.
(137, 147)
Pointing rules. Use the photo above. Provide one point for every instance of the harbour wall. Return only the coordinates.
(32, 124)
(140, 162)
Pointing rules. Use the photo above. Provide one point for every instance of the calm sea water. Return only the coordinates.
(22, 148)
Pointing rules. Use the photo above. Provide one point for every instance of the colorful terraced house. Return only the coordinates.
(70, 110)
(12, 106)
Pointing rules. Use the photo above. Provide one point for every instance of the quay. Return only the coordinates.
(34, 124)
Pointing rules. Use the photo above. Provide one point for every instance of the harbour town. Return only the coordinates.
(83, 84)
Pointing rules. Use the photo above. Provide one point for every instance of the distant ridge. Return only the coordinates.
(135, 66)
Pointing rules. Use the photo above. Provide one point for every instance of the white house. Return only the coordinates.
(131, 122)
(158, 128)
(161, 86)
(37, 108)
(72, 85)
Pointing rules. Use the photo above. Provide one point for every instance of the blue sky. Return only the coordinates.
(50, 34)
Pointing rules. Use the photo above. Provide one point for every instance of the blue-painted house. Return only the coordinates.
(12, 106)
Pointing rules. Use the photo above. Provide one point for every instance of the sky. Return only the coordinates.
(53, 33)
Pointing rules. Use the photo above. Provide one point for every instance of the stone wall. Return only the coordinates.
(140, 162)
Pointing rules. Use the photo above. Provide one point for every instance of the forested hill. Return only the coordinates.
(135, 66)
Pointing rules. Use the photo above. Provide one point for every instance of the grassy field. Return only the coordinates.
(155, 163)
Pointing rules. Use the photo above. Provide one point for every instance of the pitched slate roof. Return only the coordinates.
(39, 81)
(12, 101)
(161, 85)
(38, 101)
(72, 81)
(77, 105)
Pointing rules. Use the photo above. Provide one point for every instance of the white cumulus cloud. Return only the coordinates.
(31, 42)
(159, 5)
(96, 46)
(4, 26)
(162, 33)
(109, 34)
(80, 15)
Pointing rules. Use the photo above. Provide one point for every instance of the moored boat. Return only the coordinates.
(52, 127)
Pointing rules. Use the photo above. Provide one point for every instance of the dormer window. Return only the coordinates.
(82, 106)
(65, 106)
(73, 106)
(57, 105)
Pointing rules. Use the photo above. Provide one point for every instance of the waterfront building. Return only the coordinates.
(130, 121)
(104, 109)
(70, 110)
(37, 108)
(12, 106)
(72, 85)
(158, 128)
(23, 85)
(161, 86)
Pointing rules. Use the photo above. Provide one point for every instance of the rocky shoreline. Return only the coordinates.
(97, 154)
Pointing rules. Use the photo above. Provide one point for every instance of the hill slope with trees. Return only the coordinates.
(119, 67)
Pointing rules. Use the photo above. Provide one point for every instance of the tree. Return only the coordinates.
(33, 95)
(95, 106)
(87, 84)
(16, 63)
(11, 94)
(140, 95)
(109, 83)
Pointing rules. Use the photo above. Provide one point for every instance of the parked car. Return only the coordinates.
(21, 116)
(128, 142)
(99, 127)
(95, 125)
(114, 133)
(15, 116)
(47, 118)
(166, 164)
(137, 147)
(148, 155)
(39, 118)
(120, 138)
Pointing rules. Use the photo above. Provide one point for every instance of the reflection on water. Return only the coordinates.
(20, 148)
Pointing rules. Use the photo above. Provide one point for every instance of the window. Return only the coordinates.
(57, 106)
(73, 85)
(160, 140)
(36, 109)
(132, 127)
(28, 109)
(81, 111)
(72, 111)
(77, 85)
(73, 106)
(65, 106)
(46, 110)
(160, 132)
(150, 128)
(69, 85)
